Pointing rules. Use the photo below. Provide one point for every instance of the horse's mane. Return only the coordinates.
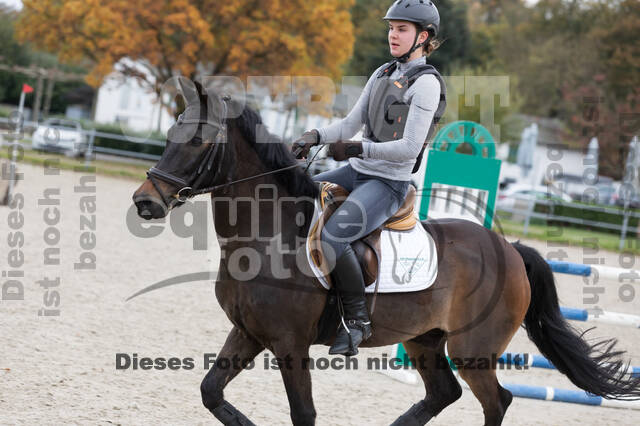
(275, 154)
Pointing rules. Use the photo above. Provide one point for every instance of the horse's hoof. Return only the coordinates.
(230, 416)
(417, 415)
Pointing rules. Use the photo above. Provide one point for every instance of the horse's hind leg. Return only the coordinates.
(238, 350)
(441, 386)
(494, 398)
(480, 374)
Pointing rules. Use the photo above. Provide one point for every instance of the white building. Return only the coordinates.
(124, 100)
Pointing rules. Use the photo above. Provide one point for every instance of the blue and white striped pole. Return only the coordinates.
(547, 393)
(604, 317)
(538, 361)
(603, 272)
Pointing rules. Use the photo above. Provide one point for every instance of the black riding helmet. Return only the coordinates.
(423, 13)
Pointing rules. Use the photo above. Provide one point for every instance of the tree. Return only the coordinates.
(606, 103)
(491, 11)
(191, 37)
(575, 61)
(11, 53)
(616, 37)
(494, 26)
(370, 49)
(15, 56)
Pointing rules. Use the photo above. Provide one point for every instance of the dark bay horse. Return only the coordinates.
(485, 288)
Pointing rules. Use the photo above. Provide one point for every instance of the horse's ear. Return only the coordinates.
(190, 89)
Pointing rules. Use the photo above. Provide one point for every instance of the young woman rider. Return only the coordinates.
(399, 107)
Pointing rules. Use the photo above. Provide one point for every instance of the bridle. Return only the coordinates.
(217, 148)
(188, 186)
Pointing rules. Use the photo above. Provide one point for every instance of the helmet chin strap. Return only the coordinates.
(415, 46)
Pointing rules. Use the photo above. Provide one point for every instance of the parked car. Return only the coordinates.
(601, 193)
(574, 185)
(507, 199)
(57, 135)
(627, 192)
(581, 188)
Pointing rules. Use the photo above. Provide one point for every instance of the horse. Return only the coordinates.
(485, 288)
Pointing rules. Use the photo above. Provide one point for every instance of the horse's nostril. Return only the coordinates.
(146, 214)
(148, 209)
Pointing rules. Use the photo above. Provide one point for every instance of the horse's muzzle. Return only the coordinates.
(150, 203)
(149, 208)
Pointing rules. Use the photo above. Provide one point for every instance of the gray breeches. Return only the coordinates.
(372, 200)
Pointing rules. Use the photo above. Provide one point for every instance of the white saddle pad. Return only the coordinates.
(409, 261)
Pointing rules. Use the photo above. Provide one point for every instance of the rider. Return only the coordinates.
(399, 107)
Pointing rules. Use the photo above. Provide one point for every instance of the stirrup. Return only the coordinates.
(349, 331)
(363, 326)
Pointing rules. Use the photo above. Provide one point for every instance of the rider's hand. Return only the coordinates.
(341, 150)
(302, 146)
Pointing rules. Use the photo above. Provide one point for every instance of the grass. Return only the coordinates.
(106, 168)
(569, 236)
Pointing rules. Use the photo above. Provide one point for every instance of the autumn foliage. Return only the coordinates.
(190, 37)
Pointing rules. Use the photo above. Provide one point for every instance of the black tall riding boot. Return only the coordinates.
(355, 326)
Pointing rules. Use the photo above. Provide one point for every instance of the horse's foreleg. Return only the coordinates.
(294, 367)
(237, 352)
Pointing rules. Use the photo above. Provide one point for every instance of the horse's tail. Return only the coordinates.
(595, 368)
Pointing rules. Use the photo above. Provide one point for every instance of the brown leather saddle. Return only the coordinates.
(367, 248)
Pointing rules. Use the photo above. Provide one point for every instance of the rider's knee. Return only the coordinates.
(331, 246)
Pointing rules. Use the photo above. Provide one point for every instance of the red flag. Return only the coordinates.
(26, 88)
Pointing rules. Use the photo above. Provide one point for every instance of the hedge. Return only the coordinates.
(578, 211)
(126, 145)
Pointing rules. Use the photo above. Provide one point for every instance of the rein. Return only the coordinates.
(222, 185)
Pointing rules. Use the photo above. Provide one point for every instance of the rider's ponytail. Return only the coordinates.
(432, 45)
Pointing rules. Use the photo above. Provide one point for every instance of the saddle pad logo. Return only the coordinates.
(411, 265)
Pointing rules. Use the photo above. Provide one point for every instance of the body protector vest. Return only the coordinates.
(387, 112)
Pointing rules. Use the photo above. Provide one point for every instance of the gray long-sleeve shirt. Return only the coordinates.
(393, 159)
